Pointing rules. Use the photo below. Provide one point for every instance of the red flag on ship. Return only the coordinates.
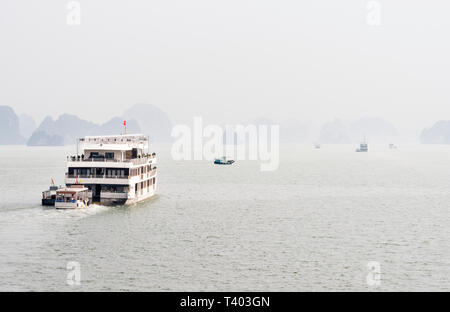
(124, 122)
(53, 182)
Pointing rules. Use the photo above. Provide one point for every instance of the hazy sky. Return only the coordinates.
(228, 61)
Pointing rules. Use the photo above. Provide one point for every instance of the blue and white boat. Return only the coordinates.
(223, 161)
(363, 147)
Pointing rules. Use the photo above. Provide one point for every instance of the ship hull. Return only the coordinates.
(66, 205)
(141, 198)
(129, 200)
(48, 202)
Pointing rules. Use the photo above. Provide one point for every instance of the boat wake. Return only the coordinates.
(91, 210)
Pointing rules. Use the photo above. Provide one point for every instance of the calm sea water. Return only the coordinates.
(313, 224)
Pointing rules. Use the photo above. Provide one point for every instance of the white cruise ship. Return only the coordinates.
(116, 169)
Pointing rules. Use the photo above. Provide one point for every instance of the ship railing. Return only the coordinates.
(115, 139)
(151, 173)
(142, 160)
(104, 176)
(135, 161)
(78, 158)
(96, 176)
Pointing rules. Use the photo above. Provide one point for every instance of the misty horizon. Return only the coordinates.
(313, 62)
(372, 129)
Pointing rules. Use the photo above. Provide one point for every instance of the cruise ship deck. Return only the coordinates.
(117, 169)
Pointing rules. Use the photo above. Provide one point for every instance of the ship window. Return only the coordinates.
(109, 155)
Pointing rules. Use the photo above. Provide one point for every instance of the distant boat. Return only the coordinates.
(317, 145)
(223, 161)
(392, 146)
(363, 147)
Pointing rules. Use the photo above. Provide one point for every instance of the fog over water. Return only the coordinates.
(232, 61)
(313, 224)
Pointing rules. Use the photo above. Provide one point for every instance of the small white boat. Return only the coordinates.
(392, 146)
(223, 161)
(317, 145)
(75, 196)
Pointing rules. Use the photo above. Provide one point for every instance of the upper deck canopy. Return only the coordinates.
(121, 138)
(71, 190)
(122, 142)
